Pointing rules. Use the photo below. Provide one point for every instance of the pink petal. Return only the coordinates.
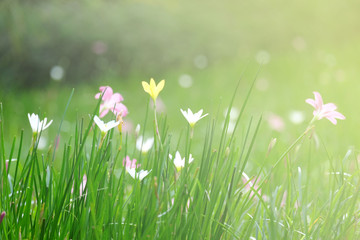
(102, 107)
(120, 109)
(311, 102)
(329, 107)
(332, 120)
(107, 93)
(315, 112)
(102, 88)
(126, 161)
(103, 113)
(133, 163)
(338, 115)
(333, 114)
(318, 100)
(116, 97)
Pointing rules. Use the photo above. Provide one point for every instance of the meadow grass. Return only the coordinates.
(81, 189)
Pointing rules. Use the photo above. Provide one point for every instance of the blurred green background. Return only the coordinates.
(200, 47)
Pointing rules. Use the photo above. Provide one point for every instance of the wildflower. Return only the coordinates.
(37, 125)
(82, 187)
(83, 184)
(324, 110)
(128, 163)
(152, 89)
(137, 130)
(251, 186)
(137, 175)
(180, 162)
(144, 145)
(105, 127)
(191, 117)
(2, 216)
(111, 102)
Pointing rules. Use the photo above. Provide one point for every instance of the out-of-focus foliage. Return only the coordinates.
(94, 39)
(90, 39)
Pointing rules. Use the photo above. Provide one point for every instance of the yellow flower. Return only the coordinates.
(152, 88)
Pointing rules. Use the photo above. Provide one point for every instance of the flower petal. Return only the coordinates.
(117, 97)
(329, 107)
(99, 123)
(332, 120)
(160, 86)
(311, 102)
(103, 113)
(318, 100)
(120, 109)
(146, 87)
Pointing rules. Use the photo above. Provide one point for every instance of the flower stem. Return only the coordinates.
(33, 142)
(309, 127)
(103, 134)
(157, 126)
(121, 139)
(192, 133)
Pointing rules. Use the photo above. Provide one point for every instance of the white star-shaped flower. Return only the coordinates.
(37, 125)
(180, 162)
(137, 175)
(105, 127)
(144, 145)
(191, 117)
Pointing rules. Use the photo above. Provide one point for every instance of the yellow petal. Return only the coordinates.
(160, 86)
(152, 84)
(152, 88)
(146, 87)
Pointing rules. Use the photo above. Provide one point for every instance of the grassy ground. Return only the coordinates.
(214, 197)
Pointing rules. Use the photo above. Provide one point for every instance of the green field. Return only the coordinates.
(203, 49)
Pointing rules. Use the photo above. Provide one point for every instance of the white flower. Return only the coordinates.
(191, 117)
(137, 175)
(105, 127)
(144, 145)
(37, 125)
(180, 162)
(137, 130)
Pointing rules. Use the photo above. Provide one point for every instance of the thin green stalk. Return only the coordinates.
(157, 126)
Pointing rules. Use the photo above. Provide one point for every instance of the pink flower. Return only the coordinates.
(128, 163)
(324, 110)
(111, 102)
(252, 186)
(2, 216)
